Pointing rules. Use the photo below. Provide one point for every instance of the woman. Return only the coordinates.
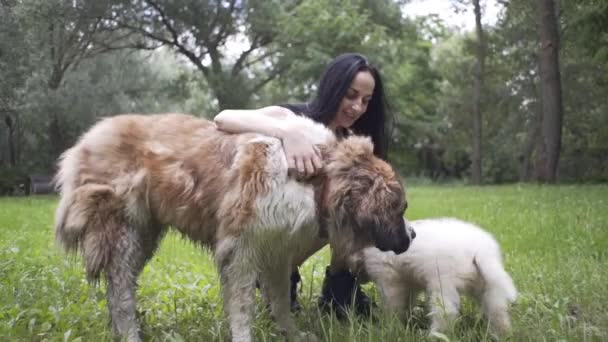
(350, 97)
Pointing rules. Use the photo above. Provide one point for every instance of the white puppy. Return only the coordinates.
(447, 258)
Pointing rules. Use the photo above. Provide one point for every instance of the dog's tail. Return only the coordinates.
(498, 283)
(89, 218)
(499, 291)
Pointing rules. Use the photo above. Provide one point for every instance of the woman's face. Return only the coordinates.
(355, 102)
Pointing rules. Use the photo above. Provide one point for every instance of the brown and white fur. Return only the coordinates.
(448, 257)
(132, 176)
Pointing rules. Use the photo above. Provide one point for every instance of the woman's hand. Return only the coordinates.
(302, 155)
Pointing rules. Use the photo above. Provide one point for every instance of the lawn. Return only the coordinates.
(555, 242)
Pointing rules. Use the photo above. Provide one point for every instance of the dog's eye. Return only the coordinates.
(398, 204)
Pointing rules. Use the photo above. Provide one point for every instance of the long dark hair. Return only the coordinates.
(334, 84)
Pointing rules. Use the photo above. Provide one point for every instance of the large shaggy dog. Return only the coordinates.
(448, 257)
(132, 176)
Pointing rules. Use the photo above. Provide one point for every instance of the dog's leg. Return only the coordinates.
(128, 258)
(410, 303)
(496, 309)
(276, 282)
(394, 296)
(238, 278)
(130, 253)
(239, 296)
(444, 304)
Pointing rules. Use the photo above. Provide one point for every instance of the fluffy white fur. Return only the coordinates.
(447, 258)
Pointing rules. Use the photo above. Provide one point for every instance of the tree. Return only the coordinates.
(513, 65)
(478, 88)
(453, 61)
(64, 33)
(201, 31)
(551, 90)
(588, 21)
(14, 68)
(273, 37)
(583, 68)
(478, 92)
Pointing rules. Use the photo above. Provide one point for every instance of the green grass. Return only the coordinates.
(555, 241)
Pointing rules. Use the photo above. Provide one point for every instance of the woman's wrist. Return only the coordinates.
(284, 128)
(280, 132)
(277, 122)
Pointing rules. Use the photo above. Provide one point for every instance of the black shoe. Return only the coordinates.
(293, 293)
(340, 290)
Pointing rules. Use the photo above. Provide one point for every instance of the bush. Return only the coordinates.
(13, 181)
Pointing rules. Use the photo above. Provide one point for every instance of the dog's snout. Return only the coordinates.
(403, 240)
(410, 231)
(401, 248)
(396, 238)
(398, 241)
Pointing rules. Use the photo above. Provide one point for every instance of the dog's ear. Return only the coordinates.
(357, 145)
(351, 151)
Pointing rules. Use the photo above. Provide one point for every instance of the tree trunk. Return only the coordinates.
(478, 97)
(55, 131)
(12, 151)
(525, 171)
(56, 138)
(551, 90)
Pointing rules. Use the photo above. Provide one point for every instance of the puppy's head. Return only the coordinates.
(365, 198)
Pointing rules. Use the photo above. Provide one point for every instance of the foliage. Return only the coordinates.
(200, 31)
(13, 57)
(552, 248)
(318, 30)
(64, 65)
(13, 181)
(393, 44)
(588, 21)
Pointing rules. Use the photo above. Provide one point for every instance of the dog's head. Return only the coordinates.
(370, 262)
(365, 200)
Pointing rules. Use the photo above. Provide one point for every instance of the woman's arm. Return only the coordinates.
(268, 121)
(274, 121)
